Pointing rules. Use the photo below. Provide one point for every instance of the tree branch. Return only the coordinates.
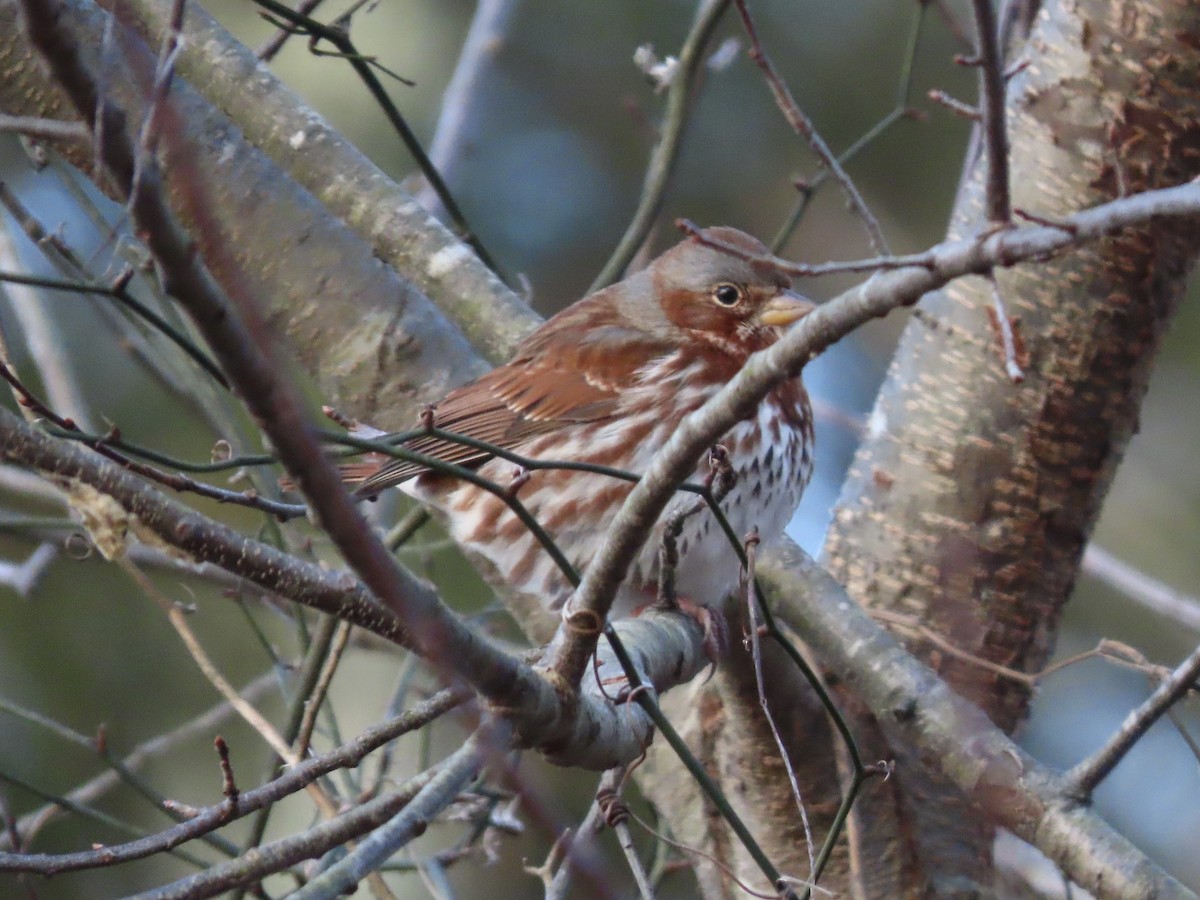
(1011, 787)
(816, 331)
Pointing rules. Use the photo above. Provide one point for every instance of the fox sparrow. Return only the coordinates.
(607, 381)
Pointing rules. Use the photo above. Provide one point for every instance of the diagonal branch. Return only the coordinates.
(1086, 776)
(1011, 787)
(221, 814)
(829, 323)
(234, 329)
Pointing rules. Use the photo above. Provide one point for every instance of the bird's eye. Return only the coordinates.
(727, 294)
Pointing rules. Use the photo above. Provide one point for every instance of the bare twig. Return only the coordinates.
(312, 704)
(802, 126)
(459, 769)
(555, 872)
(1003, 325)
(666, 151)
(269, 48)
(750, 605)
(46, 129)
(339, 36)
(807, 188)
(32, 822)
(616, 816)
(626, 813)
(255, 719)
(1087, 775)
(644, 698)
(218, 815)
(965, 110)
(229, 787)
(105, 445)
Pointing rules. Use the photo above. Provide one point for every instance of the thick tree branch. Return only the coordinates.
(233, 328)
(1013, 789)
(375, 346)
(589, 731)
(353, 188)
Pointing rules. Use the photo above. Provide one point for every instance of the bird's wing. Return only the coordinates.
(557, 380)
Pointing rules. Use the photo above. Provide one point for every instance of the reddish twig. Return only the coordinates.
(229, 787)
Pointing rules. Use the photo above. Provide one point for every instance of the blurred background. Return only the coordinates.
(551, 173)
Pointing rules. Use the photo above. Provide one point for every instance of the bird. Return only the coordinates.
(607, 381)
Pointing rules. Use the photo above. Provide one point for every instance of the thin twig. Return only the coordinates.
(616, 816)
(20, 862)
(210, 818)
(695, 769)
(808, 188)
(255, 719)
(286, 852)
(458, 770)
(751, 607)
(340, 38)
(310, 671)
(269, 48)
(105, 444)
(32, 822)
(998, 316)
(803, 126)
(963, 110)
(313, 704)
(555, 872)
(1085, 777)
(118, 291)
(46, 129)
(665, 153)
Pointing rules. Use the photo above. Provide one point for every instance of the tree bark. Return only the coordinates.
(971, 498)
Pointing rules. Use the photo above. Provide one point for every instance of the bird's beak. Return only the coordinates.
(785, 308)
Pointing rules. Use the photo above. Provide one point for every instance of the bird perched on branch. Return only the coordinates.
(607, 381)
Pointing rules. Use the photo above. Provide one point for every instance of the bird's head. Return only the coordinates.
(736, 302)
